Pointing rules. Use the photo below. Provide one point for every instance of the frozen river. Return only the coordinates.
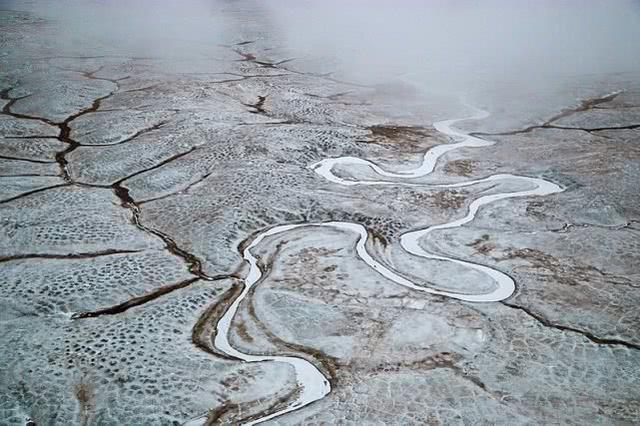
(243, 212)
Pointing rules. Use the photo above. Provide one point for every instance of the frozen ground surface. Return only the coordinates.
(221, 235)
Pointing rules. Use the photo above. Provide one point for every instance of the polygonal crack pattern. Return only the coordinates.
(127, 191)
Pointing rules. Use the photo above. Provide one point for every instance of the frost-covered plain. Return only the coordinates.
(238, 237)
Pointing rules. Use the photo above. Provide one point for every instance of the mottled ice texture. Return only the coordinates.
(134, 182)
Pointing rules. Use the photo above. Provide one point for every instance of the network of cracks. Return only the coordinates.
(232, 330)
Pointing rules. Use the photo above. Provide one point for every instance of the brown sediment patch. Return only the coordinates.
(438, 360)
(565, 270)
(412, 139)
(214, 417)
(232, 413)
(537, 209)
(482, 245)
(460, 167)
(84, 395)
(241, 329)
(376, 235)
(448, 199)
(545, 264)
(395, 132)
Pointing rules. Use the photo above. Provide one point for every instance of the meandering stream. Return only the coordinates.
(313, 384)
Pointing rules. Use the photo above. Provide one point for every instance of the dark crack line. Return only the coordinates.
(31, 137)
(509, 133)
(616, 107)
(333, 97)
(29, 160)
(245, 77)
(133, 58)
(6, 109)
(568, 226)
(241, 43)
(91, 75)
(154, 167)
(142, 89)
(181, 191)
(92, 255)
(139, 133)
(123, 192)
(241, 77)
(193, 263)
(65, 134)
(244, 43)
(27, 175)
(250, 57)
(555, 127)
(584, 106)
(258, 107)
(135, 301)
(594, 129)
(35, 191)
(334, 100)
(283, 121)
(274, 64)
(145, 298)
(327, 77)
(595, 339)
(65, 129)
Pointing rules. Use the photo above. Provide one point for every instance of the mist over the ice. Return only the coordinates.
(462, 41)
(455, 47)
(532, 56)
(152, 28)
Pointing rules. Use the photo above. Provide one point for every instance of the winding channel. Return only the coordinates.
(312, 383)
